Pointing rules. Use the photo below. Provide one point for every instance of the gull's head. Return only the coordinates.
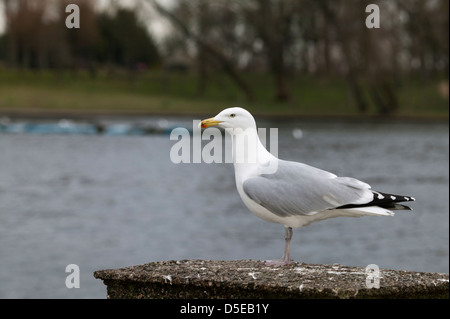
(233, 117)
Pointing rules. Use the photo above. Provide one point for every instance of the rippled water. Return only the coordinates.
(111, 201)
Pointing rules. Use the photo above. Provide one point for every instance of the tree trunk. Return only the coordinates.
(282, 93)
(351, 75)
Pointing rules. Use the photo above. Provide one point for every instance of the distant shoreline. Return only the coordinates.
(34, 113)
(46, 95)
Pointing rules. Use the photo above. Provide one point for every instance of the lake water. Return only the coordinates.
(114, 201)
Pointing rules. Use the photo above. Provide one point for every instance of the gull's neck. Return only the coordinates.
(249, 154)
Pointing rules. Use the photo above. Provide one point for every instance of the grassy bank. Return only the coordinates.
(173, 93)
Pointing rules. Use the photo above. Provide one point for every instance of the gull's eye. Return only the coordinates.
(232, 115)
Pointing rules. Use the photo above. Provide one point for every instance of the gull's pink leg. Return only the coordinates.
(286, 259)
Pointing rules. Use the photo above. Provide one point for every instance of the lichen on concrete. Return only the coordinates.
(254, 279)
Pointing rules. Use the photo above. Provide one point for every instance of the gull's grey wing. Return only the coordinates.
(300, 189)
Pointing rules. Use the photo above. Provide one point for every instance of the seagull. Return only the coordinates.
(290, 193)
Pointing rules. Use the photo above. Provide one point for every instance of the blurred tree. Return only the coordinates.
(25, 28)
(427, 30)
(283, 38)
(81, 42)
(36, 37)
(273, 22)
(344, 36)
(124, 41)
(217, 52)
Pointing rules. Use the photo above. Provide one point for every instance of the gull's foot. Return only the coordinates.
(278, 262)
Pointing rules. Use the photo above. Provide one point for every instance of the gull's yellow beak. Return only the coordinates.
(209, 122)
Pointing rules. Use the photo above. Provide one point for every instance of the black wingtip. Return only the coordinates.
(384, 200)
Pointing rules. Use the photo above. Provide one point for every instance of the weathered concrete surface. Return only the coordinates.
(253, 279)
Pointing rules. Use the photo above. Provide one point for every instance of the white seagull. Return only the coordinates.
(290, 193)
